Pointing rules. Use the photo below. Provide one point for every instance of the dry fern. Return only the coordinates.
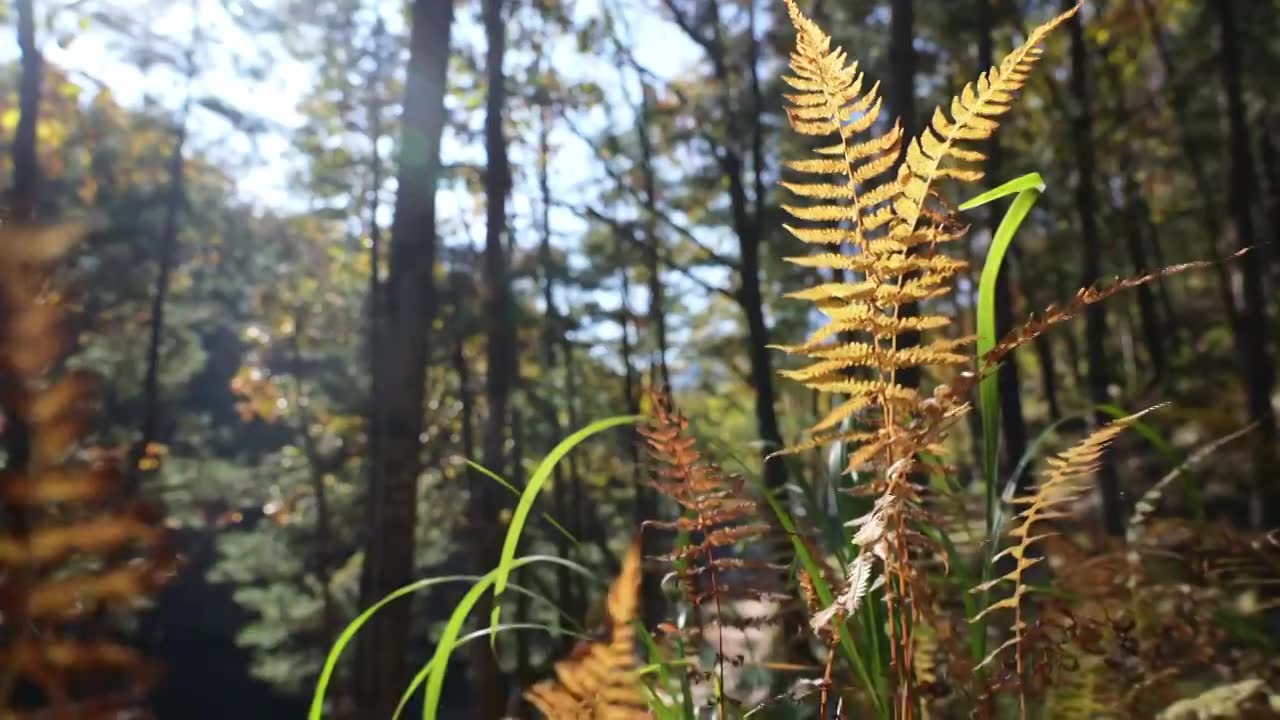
(598, 680)
(1068, 478)
(892, 225)
(73, 547)
(719, 517)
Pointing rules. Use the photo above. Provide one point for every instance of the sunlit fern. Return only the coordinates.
(76, 549)
(598, 680)
(717, 518)
(888, 224)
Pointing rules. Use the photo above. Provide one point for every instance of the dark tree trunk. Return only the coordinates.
(409, 307)
(657, 311)
(1209, 214)
(174, 202)
(1251, 340)
(25, 170)
(315, 470)
(1013, 424)
(488, 688)
(1153, 332)
(1087, 208)
(1048, 376)
(746, 215)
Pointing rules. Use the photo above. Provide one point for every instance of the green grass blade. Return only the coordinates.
(349, 632)
(1027, 189)
(421, 677)
(825, 595)
(453, 627)
(1030, 181)
(536, 481)
(514, 491)
(989, 388)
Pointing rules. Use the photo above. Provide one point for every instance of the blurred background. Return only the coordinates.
(345, 245)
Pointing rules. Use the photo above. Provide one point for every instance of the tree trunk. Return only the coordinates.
(1095, 316)
(1251, 340)
(657, 311)
(487, 683)
(1153, 332)
(323, 556)
(174, 202)
(25, 170)
(1211, 224)
(401, 349)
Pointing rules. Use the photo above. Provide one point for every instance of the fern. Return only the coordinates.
(598, 680)
(893, 225)
(73, 546)
(1068, 478)
(718, 518)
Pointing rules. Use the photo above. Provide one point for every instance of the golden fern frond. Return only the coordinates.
(74, 544)
(1067, 479)
(939, 152)
(883, 218)
(598, 680)
(888, 228)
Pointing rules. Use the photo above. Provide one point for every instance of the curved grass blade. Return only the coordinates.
(426, 669)
(514, 491)
(1028, 189)
(349, 632)
(453, 627)
(506, 562)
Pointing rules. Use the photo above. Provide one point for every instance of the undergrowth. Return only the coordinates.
(909, 610)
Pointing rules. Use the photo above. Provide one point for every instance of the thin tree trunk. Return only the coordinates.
(657, 311)
(1153, 332)
(1099, 378)
(1210, 221)
(487, 683)
(401, 352)
(174, 202)
(551, 337)
(746, 223)
(1251, 340)
(323, 559)
(1048, 376)
(25, 170)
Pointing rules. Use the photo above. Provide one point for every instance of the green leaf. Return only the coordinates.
(506, 562)
(1028, 189)
(453, 627)
(502, 481)
(349, 632)
(418, 679)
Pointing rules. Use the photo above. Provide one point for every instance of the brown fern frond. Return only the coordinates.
(1055, 315)
(719, 519)
(73, 547)
(598, 680)
(720, 514)
(1068, 478)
